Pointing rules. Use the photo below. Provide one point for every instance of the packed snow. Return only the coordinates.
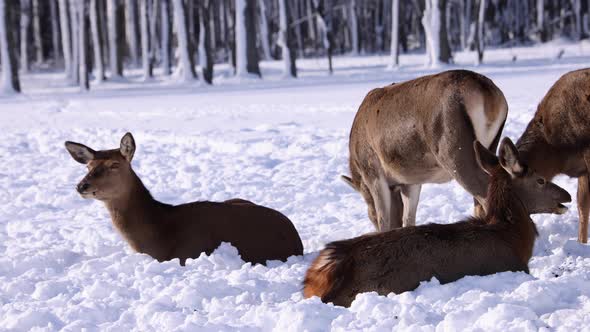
(279, 143)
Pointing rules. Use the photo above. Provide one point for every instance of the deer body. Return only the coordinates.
(400, 259)
(557, 140)
(184, 231)
(422, 131)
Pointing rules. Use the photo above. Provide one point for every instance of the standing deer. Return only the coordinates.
(401, 258)
(184, 231)
(422, 131)
(557, 140)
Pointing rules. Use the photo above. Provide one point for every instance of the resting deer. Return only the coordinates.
(557, 140)
(398, 260)
(184, 231)
(422, 131)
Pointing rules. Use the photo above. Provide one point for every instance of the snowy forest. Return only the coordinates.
(96, 40)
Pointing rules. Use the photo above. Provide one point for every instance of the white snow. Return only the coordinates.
(281, 143)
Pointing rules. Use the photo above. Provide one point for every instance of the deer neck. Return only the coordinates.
(506, 208)
(537, 153)
(136, 215)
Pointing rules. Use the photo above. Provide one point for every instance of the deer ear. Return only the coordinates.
(80, 152)
(509, 158)
(127, 146)
(485, 159)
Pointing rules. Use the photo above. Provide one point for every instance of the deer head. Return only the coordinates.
(109, 171)
(536, 193)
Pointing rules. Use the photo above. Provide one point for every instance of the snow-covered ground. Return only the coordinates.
(280, 143)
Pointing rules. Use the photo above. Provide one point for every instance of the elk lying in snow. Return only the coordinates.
(422, 131)
(398, 260)
(557, 140)
(185, 231)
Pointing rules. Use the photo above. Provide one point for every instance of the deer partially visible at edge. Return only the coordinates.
(184, 231)
(557, 140)
(398, 260)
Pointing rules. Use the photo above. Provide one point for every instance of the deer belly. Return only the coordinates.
(420, 173)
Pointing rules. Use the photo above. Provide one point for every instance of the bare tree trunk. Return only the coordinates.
(54, 31)
(264, 30)
(394, 33)
(288, 56)
(354, 33)
(75, 29)
(37, 41)
(96, 42)
(480, 33)
(577, 10)
(540, 20)
(115, 61)
(431, 23)
(131, 30)
(205, 14)
(145, 40)
(231, 35)
(25, 20)
(445, 54)
(310, 22)
(82, 44)
(165, 36)
(9, 18)
(65, 37)
(298, 33)
(462, 22)
(186, 60)
(153, 13)
(246, 52)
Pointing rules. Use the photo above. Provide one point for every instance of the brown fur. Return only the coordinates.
(420, 131)
(184, 231)
(398, 260)
(557, 140)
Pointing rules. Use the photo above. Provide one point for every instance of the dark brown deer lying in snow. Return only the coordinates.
(422, 131)
(557, 140)
(184, 231)
(398, 260)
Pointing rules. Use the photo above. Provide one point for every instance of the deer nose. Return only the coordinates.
(82, 186)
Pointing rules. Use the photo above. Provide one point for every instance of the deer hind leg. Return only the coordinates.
(454, 146)
(410, 194)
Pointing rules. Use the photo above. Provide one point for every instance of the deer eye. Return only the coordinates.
(541, 181)
(114, 166)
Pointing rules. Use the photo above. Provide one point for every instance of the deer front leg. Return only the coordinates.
(584, 200)
(583, 207)
(396, 210)
(410, 197)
